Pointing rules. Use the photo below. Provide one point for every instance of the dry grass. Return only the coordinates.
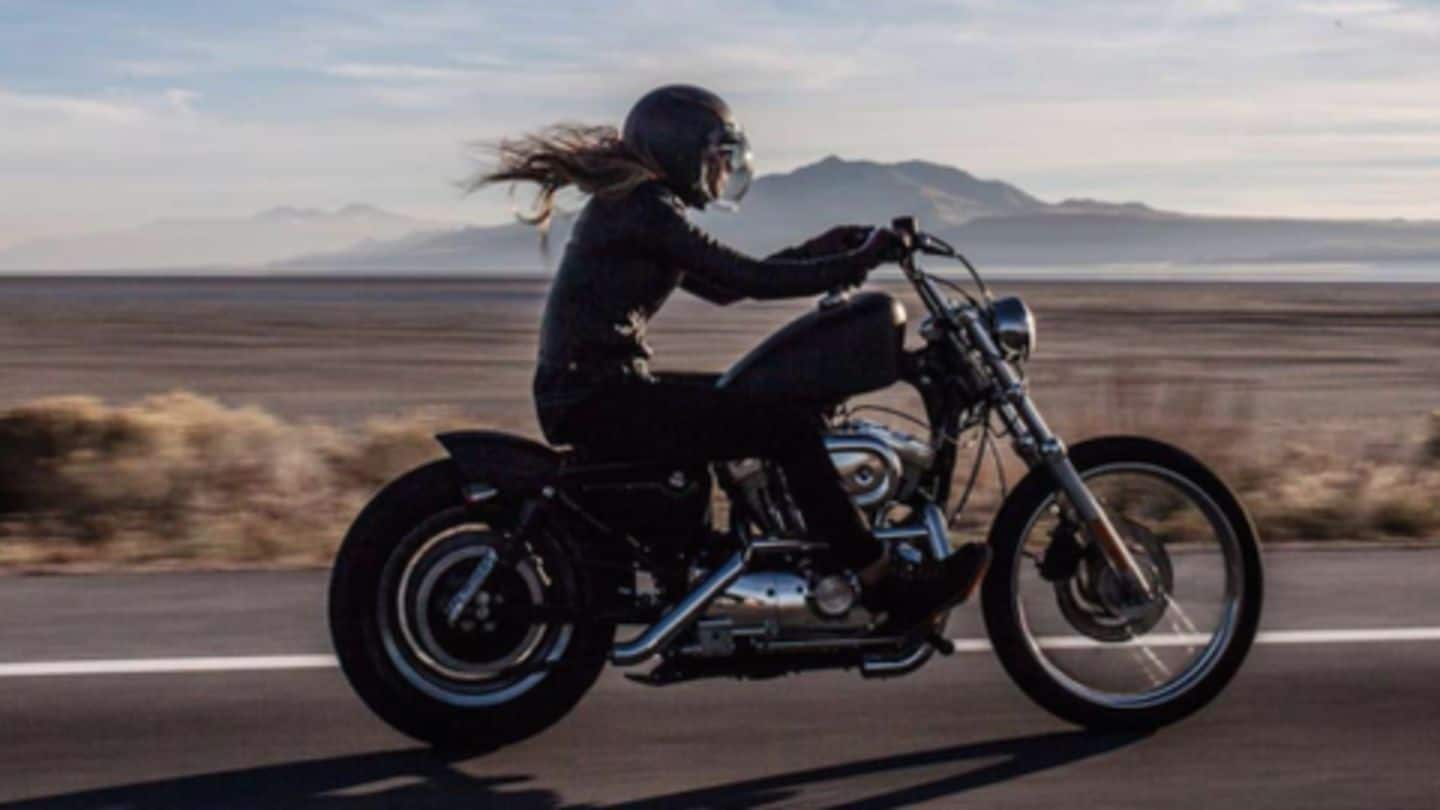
(180, 479)
(183, 480)
(1330, 488)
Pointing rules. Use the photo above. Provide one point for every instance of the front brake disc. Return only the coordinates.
(1094, 600)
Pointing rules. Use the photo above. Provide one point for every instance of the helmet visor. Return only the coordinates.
(729, 168)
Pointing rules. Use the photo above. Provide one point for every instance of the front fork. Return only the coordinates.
(1035, 443)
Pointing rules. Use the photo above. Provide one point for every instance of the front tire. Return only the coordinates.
(486, 681)
(1051, 641)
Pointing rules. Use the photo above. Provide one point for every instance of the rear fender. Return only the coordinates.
(512, 465)
(513, 470)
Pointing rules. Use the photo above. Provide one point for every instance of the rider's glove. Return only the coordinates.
(881, 245)
(840, 239)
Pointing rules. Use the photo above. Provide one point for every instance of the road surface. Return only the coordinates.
(216, 691)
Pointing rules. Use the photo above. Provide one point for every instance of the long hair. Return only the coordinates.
(592, 159)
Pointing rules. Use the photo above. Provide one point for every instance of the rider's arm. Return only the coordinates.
(722, 274)
(708, 290)
(836, 240)
(796, 252)
(715, 294)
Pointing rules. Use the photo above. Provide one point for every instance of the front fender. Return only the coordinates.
(513, 465)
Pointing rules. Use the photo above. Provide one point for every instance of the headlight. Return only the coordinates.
(1014, 328)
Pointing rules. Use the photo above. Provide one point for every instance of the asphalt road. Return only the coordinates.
(1313, 725)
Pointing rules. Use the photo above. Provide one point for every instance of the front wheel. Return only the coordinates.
(1082, 644)
(437, 656)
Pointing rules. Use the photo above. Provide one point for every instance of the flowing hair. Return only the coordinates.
(592, 159)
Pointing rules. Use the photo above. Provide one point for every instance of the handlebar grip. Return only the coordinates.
(905, 226)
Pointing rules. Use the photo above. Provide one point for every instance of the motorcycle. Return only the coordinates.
(477, 598)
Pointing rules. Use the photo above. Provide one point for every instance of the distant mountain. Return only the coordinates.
(200, 244)
(475, 248)
(992, 221)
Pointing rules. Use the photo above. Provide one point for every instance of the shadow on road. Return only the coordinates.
(421, 779)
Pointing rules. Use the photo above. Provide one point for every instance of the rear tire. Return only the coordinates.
(399, 523)
(1007, 628)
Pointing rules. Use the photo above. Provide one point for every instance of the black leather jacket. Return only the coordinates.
(624, 259)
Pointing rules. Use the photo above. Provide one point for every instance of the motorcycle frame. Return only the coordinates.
(960, 367)
(962, 375)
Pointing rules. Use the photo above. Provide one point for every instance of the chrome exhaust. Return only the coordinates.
(896, 666)
(934, 533)
(930, 531)
(661, 633)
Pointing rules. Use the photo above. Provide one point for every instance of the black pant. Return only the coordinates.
(684, 418)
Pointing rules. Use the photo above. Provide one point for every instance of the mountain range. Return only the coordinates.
(209, 244)
(993, 222)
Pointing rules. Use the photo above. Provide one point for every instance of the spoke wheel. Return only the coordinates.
(463, 669)
(486, 655)
(1094, 651)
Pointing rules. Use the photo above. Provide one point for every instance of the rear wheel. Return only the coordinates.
(1087, 647)
(439, 619)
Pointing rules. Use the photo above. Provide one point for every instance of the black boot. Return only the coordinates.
(912, 593)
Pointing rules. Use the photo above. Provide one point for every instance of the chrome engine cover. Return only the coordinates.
(777, 610)
(876, 463)
(795, 609)
(781, 599)
(770, 608)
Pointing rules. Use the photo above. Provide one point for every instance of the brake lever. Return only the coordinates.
(931, 246)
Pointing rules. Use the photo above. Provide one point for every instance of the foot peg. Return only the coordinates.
(942, 645)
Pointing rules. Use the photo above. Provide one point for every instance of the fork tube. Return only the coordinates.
(1037, 445)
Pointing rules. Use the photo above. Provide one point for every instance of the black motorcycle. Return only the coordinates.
(477, 598)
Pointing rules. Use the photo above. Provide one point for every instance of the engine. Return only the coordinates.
(792, 608)
(877, 465)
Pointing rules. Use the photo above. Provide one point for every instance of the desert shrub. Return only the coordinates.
(1430, 450)
(183, 477)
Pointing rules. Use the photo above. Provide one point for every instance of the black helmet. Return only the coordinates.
(689, 133)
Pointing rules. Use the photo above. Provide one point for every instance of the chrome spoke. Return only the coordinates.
(456, 627)
(1135, 650)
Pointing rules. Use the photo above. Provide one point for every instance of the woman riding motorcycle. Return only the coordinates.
(631, 246)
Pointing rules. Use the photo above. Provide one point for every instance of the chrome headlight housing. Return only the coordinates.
(1014, 328)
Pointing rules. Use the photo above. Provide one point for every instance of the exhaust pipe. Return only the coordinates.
(659, 635)
(934, 533)
(672, 624)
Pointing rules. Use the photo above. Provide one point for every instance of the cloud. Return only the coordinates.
(16, 107)
(182, 100)
(400, 72)
(1234, 105)
(155, 68)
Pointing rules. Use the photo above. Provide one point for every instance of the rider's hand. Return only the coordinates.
(882, 245)
(840, 239)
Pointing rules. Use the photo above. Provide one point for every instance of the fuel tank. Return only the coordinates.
(827, 355)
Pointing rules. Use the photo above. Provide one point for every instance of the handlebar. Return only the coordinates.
(915, 241)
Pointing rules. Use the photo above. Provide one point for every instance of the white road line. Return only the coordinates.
(141, 666)
(1350, 636)
(257, 663)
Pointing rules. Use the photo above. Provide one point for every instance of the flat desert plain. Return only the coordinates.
(246, 421)
(1295, 360)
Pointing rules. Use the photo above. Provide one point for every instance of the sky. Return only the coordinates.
(117, 113)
